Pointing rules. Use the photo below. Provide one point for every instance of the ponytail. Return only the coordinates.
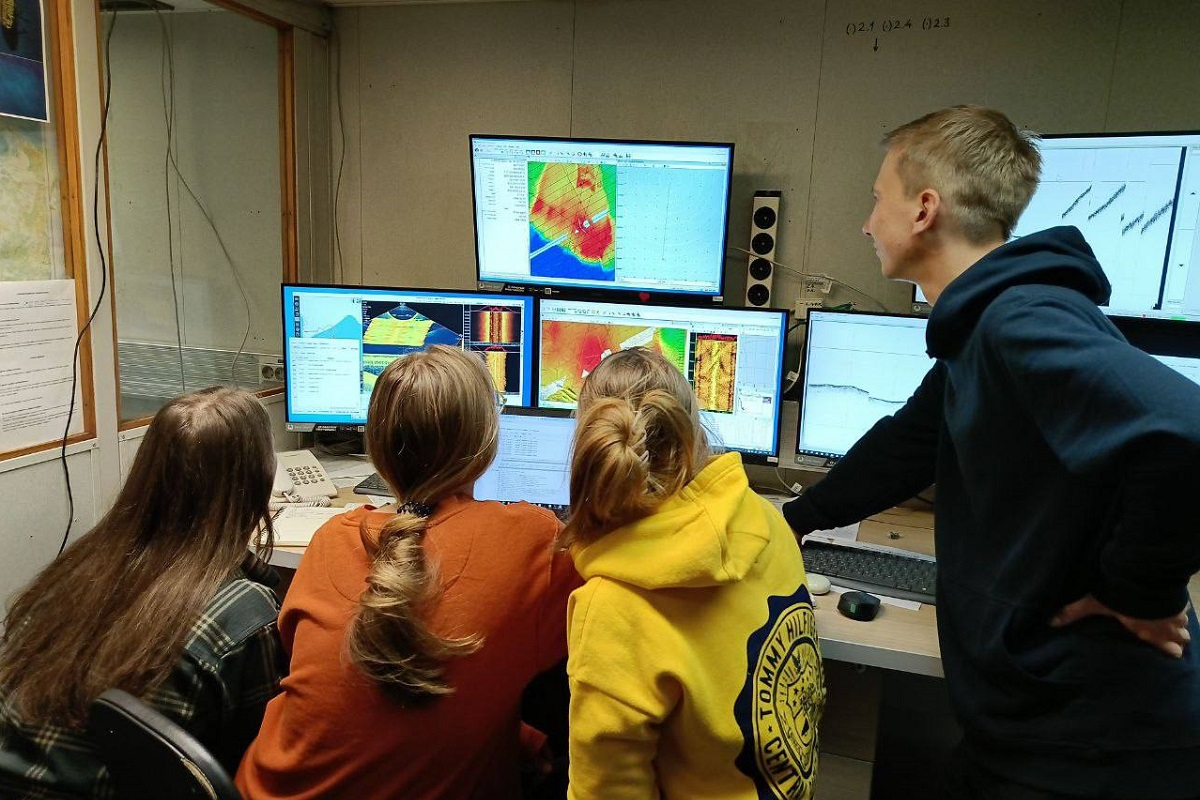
(389, 640)
(629, 456)
(431, 430)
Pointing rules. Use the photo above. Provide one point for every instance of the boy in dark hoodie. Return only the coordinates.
(1065, 460)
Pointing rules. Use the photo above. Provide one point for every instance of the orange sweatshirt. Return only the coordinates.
(332, 733)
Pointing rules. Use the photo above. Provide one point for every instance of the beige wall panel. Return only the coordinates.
(1156, 77)
(711, 70)
(1045, 64)
(431, 75)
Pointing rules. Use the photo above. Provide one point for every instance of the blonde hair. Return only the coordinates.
(984, 167)
(638, 440)
(114, 610)
(431, 430)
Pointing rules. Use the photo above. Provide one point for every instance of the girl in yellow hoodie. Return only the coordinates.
(693, 659)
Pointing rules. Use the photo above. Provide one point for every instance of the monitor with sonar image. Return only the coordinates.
(533, 460)
(857, 368)
(593, 216)
(1136, 199)
(732, 357)
(338, 339)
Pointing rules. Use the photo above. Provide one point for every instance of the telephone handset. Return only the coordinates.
(299, 475)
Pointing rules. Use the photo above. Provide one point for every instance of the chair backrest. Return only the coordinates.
(149, 756)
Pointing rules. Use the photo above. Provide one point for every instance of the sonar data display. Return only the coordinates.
(339, 340)
(596, 214)
(733, 359)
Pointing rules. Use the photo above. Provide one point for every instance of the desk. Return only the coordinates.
(897, 638)
(897, 645)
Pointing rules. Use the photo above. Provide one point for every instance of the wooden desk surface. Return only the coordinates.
(896, 639)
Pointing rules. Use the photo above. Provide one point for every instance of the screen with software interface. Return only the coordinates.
(634, 216)
(533, 461)
(732, 357)
(338, 339)
(858, 369)
(1136, 199)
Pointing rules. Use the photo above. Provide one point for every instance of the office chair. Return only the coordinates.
(150, 757)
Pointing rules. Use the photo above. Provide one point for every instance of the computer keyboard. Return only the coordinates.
(906, 576)
(373, 485)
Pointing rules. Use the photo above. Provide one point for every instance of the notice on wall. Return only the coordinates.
(37, 351)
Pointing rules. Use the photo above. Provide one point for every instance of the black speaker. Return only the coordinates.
(760, 272)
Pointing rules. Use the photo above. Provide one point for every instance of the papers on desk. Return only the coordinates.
(846, 533)
(295, 525)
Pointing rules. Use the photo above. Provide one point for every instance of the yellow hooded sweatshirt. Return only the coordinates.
(694, 666)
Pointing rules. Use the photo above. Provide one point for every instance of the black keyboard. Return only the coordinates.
(908, 577)
(373, 485)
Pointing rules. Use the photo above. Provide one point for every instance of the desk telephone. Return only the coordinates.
(300, 478)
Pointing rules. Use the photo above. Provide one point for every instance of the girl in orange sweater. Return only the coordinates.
(414, 628)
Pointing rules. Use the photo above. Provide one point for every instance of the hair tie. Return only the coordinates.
(413, 507)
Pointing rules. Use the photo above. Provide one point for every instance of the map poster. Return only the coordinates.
(23, 91)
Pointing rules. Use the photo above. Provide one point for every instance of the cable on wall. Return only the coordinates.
(103, 280)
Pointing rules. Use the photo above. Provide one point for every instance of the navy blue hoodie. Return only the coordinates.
(1066, 462)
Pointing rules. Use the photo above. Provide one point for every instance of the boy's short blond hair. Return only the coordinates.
(983, 166)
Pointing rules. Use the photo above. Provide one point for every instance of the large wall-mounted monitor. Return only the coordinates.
(337, 339)
(732, 357)
(1136, 199)
(857, 368)
(586, 216)
(1177, 346)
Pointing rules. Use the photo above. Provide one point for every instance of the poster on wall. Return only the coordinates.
(23, 90)
(37, 363)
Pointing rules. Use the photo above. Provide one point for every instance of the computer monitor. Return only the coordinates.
(733, 358)
(857, 368)
(1136, 198)
(1173, 343)
(533, 459)
(593, 215)
(337, 339)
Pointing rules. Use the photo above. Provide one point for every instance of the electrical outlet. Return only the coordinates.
(270, 369)
(805, 303)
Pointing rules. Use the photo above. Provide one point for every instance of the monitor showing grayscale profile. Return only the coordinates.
(1136, 199)
(858, 367)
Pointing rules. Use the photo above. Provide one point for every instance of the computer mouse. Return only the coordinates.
(818, 584)
(859, 605)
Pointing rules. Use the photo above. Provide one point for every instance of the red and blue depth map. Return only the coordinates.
(572, 220)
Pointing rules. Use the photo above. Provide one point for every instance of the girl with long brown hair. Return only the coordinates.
(694, 665)
(414, 628)
(162, 599)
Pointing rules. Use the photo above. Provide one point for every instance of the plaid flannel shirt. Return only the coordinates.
(231, 666)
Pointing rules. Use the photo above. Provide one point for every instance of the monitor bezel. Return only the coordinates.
(354, 427)
(800, 453)
(572, 292)
(760, 459)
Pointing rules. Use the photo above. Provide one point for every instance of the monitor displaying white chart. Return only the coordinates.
(1136, 199)
(533, 459)
(1173, 343)
(338, 339)
(732, 357)
(601, 214)
(858, 368)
